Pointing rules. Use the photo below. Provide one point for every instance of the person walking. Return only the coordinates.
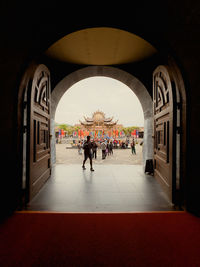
(87, 146)
(94, 149)
(133, 147)
(103, 148)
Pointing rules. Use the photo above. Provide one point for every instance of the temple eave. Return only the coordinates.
(85, 123)
(110, 124)
(88, 119)
(108, 119)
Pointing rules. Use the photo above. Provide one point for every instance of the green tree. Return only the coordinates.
(63, 127)
(129, 130)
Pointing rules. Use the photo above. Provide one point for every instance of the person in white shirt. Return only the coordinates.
(103, 148)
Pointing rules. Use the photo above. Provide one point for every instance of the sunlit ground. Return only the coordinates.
(120, 156)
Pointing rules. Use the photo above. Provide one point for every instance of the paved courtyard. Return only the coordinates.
(65, 155)
(118, 184)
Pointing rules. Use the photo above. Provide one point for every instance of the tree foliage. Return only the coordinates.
(68, 128)
(129, 130)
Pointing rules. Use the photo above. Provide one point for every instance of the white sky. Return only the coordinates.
(100, 93)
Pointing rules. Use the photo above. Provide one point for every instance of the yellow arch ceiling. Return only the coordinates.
(101, 46)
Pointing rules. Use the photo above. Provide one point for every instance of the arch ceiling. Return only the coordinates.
(101, 46)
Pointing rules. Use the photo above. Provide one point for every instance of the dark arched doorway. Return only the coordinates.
(179, 102)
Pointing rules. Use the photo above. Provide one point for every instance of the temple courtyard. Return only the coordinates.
(67, 155)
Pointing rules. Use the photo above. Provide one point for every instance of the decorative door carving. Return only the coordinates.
(164, 127)
(38, 130)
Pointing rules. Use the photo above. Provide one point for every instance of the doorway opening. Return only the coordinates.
(106, 110)
(121, 76)
(111, 187)
(164, 85)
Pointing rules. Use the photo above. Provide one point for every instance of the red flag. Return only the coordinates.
(116, 133)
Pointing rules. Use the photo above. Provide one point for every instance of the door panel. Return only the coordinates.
(38, 129)
(164, 121)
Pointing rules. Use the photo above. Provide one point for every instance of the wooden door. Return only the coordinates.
(38, 130)
(164, 130)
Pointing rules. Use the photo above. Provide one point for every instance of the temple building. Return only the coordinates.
(99, 125)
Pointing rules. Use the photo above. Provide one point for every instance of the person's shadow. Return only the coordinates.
(88, 177)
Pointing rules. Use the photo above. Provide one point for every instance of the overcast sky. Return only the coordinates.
(100, 93)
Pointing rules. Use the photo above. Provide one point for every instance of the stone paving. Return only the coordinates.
(110, 188)
(65, 155)
(118, 184)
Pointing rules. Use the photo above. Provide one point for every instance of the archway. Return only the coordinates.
(132, 82)
(140, 91)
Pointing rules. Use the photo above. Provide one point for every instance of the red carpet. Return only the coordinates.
(97, 239)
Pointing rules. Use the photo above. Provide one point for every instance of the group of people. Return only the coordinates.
(107, 148)
(93, 148)
(90, 150)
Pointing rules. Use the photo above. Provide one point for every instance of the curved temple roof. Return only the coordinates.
(86, 123)
(98, 117)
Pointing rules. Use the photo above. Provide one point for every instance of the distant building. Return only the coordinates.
(99, 125)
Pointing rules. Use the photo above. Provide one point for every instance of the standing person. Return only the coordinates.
(115, 143)
(133, 147)
(79, 148)
(103, 148)
(108, 148)
(94, 150)
(87, 146)
(126, 143)
(111, 148)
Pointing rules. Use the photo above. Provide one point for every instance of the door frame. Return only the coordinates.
(22, 130)
(179, 138)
